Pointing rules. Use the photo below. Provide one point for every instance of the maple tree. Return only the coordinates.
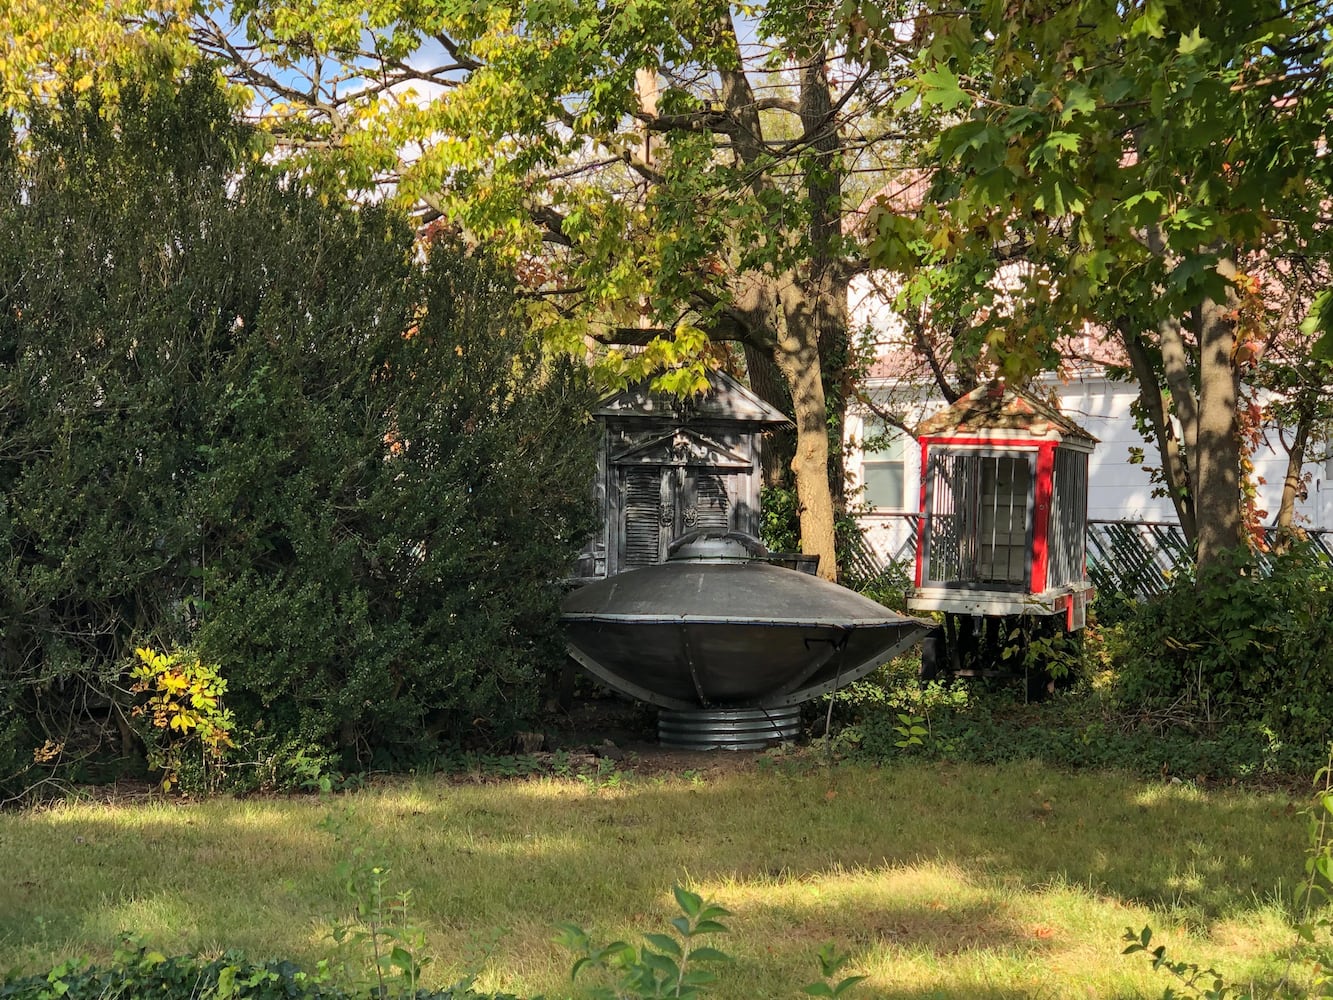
(665, 176)
(47, 46)
(1134, 167)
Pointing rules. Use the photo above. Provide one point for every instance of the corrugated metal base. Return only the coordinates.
(728, 729)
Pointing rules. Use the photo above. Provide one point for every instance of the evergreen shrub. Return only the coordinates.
(244, 418)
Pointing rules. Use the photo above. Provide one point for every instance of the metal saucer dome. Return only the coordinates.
(726, 643)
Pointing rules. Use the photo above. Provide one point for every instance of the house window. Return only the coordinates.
(884, 472)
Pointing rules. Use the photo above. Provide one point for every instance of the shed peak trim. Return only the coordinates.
(997, 406)
(726, 399)
(683, 447)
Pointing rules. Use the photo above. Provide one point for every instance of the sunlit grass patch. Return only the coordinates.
(939, 880)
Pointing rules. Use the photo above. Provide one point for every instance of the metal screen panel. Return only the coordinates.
(979, 520)
(946, 507)
(1069, 518)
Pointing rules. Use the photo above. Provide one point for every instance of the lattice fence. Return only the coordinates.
(1138, 558)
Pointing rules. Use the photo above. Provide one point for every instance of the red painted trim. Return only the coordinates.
(921, 521)
(1029, 444)
(1041, 518)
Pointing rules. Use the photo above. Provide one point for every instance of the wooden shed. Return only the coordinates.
(1004, 500)
(667, 467)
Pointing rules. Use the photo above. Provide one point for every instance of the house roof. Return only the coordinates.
(726, 399)
(904, 194)
(897, 360)
(996, 406)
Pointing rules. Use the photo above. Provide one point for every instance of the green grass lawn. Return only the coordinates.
(941, 880)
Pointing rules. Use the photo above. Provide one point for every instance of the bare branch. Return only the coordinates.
(450, 46)
(705, 120)
(553, 225)
(218, 43)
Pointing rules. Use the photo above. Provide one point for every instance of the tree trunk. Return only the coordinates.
(767, 382)
(834, 353)
(1175, 471)
(828, 273)
(1175, 367)
(1217, 497)
(797, 354)
(793, 329)
(1293, 484)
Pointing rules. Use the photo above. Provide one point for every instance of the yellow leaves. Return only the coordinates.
(47, 46)
(47, 752)
(677, 364)
(173, 683)
(151, 662)
(690, 339)
(180, 699)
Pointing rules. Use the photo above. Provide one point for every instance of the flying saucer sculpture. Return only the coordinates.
(726, 643)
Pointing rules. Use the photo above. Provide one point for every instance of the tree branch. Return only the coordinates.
(704, 120)
(450, 46)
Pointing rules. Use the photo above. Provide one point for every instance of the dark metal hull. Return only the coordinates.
(740, 635)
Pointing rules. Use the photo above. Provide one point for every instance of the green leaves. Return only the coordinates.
(667, 966)
(912, 732)
(831, 962)
(941, 88)
(1150, 22)
(1048, 151)
(1091, 168)
(897, 243)
(1193, 43)
(1320, 321)
(301, 432)
(664, 966)
(697, 917)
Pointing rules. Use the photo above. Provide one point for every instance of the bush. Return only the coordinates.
(1080, 730)
(1241, 648)
(858, 566)
(1233, 680)
(244, 419)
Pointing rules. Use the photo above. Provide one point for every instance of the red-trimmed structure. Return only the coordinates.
(1004, 501)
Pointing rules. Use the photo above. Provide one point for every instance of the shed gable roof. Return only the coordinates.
(683, 447)
(726, 399)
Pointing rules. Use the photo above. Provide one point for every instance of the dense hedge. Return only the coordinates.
(237, 415)
(1241, 647)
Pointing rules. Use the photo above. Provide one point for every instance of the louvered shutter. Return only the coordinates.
(712, 505)
(643, 517)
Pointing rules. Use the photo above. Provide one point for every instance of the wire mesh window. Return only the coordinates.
(1069, 518)
(978, 529)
